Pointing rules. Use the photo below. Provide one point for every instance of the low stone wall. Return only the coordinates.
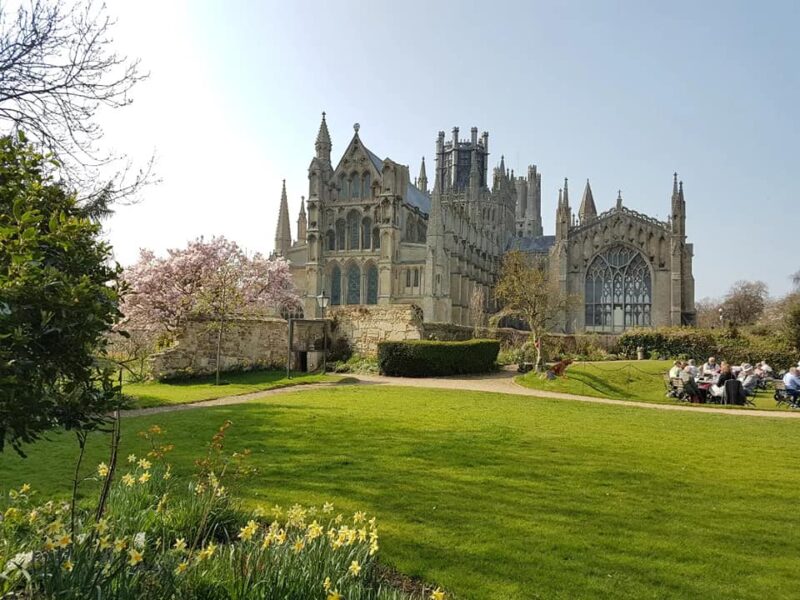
(448, 332)
(247, 343)
(365, 326)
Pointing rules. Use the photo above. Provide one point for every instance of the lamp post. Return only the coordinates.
(721, 316)
(322, 302)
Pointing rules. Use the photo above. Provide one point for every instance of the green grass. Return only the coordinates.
(637, 380)
(154, 393)
(504, 497)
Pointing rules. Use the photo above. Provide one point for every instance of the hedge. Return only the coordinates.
(726, 344)
(429, 358)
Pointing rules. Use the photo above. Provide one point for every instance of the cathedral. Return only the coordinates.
(368, 234)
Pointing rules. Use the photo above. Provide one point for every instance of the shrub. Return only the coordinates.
(427, 358)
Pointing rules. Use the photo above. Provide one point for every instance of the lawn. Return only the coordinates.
(505, 497)
(638, 380)
(155, 393)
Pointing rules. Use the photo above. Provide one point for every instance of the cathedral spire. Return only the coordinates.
(503, 164)
(283, 232)
(302, 221)
(422, 180)
(587, 210)
(323, 143)
(566, 193)
(674, 184)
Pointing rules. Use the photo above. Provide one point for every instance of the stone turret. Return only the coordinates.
(323, 143)
(422, 180)
(302, 221)
(563, 214)
(283, 232)
(588, 210)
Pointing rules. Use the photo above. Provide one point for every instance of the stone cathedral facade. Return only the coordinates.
(369, 234)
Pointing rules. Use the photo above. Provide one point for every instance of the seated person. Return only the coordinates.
(792, 382)
(693, 368)
(763, 370)
(689, 384)
(725, 374)
(676, 369)
(710, 367)
(749, 380)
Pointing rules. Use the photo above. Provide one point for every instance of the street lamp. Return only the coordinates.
(721, 316)
(322, 302)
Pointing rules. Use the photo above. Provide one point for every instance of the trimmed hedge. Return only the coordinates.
(726, 344)
(429, 358)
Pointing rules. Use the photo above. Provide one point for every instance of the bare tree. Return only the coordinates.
(526, 292)
(477, 309)
(707, 312)
(745, 302)
(58, 69)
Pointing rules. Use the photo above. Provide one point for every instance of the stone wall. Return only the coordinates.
(365, 326)
(248, 343)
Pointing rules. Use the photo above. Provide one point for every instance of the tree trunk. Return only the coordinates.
(219, 347)
(537, 344)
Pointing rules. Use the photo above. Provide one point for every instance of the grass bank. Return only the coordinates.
(184, 391)
(637, 380)
(502, 497)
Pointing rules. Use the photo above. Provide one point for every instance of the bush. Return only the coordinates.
(427, 358)
(727, 344)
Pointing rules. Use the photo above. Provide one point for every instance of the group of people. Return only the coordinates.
(718, 374)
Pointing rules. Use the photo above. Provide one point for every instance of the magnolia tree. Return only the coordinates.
(212, 279)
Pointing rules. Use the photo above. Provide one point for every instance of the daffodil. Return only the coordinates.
(207, 552)
(314, 530)
(181, 567)
(373, 548)
(280, 537)
(277, 511)
(26, 487)
(104, 542)
(334, 595)
(144, 464)
(134, 557)
(48, 544)
(354, 569)
(326, 585)
(437, 594)
(248, 531)
(144, 477)
(359, 517)
(102, 469)
(119, 544)
(68, 566)
(338, 519)
(180, 545)
(327, 508)
(131, 458)
(101, 526)
(63, 541)
(128, 480)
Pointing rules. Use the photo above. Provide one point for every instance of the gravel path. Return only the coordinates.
(499, 383)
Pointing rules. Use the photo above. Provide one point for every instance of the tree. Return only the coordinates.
(477, 309)
(745, 302)
(213, 280)
(525, 291)
(792, 323)
(707, 311)
(58, 71)
(796, 280)
(59, 296)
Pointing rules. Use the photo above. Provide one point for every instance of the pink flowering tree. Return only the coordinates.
(212, 279)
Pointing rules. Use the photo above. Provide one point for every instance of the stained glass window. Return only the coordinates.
(336, 285)
(355, 186)
(353, 285)
(353, 232)
(376, 234)
(372, 285)
(367, 192)
(340, 226)
(366, 227)
(331, 237)
(618, 291)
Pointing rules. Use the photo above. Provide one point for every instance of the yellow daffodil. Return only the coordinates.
(207, 552)
(181, 567)
(327, 508)
(63, 541)
(280, 537)
(12, 514)
(334, 595)
(128, 480)
(326, 585)
(372, 522)
(248, 531)
(373, 548)
(362, 534)
(359, 517)
(26, 487)
(54, 527)
(134, 557)
(119, 544)
(220, 491)
(314, 530)
(131, 458)
(354, 569)
(68, 566)
(102, 469)
(168, 472)
(101, 526)
(199, 488)
(267, 541)
(144, 477)
(437, 594)
(104, 542)
(179, 545)
(48, 544)
(339, 519)
(162, 503)
(277, 511)
(144, 464)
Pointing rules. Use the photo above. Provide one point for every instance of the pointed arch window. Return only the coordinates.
(372, 284)
(376, 237)
(340, 231)
(336, 285)
(330, 238)
(618, 291)
(353, 285)
(355, 186)
(353, 230)
(366, 189)
(344, 190)
(366, 233)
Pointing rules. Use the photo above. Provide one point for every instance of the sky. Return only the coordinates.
(621, 93)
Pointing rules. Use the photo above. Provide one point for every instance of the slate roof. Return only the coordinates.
(418, 198)
(377, 162)
(531, 244)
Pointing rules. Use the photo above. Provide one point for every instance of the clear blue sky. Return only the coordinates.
(622, 93)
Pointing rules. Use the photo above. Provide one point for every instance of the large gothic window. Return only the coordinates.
(376, 236)
(340, 229)
(619, 291)
(372, 285)
(353, 285)
(366, 191)
(355, 186)
(331, 238)
(353, 231)
(366, 233)
(336, 285)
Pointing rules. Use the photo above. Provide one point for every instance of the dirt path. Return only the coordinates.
(499, 383)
